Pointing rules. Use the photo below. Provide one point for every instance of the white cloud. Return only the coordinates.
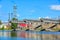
(47, 17)
(55, 7)
(4, 21)
(39, 17)
(18, 15)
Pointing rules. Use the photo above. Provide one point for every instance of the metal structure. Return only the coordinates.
(8, 16)
(15, 11)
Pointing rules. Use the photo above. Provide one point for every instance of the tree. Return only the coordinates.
(14, 19)
(13, 24)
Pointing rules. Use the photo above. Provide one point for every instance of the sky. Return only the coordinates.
(30, 9)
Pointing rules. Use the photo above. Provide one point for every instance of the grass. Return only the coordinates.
(56, 29)
(5, 28)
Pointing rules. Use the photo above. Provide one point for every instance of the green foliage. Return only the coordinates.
(56, 29)
(2, 28)
(14, 25)
(14, 19)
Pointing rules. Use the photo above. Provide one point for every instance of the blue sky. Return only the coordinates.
(30, 9)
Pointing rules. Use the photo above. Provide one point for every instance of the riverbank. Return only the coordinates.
(42, 27)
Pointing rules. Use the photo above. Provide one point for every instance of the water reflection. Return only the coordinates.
(5, 34)
(15, 35)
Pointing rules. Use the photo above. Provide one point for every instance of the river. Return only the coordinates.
(29, 35)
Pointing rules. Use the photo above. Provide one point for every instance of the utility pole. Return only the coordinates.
(9, 20)
(8, 17)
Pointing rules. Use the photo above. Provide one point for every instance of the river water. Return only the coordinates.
(29, 35)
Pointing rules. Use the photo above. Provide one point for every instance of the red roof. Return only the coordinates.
(23, 24)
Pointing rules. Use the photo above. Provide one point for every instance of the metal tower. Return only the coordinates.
(15, 11)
